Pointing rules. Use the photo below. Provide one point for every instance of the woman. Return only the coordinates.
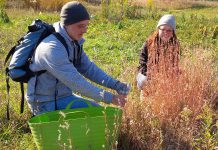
(160, 53)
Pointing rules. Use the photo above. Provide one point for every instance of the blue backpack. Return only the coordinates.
(21, 55)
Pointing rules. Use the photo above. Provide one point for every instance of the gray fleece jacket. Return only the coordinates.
(62, 78)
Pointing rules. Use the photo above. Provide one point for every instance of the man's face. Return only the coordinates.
(76, 30)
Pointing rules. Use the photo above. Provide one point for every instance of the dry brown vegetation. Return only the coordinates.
(181, 4)
(164, 4)
(195, 85)
(173, 115)
(169, 112)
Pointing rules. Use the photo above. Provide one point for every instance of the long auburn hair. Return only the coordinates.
(163, 58)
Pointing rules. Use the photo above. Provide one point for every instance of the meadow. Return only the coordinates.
(182, 117)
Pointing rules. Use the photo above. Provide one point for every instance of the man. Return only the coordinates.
(65, 74)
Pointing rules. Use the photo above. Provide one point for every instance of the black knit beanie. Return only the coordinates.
(73, 12)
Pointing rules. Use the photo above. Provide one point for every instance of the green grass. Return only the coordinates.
(113, 45)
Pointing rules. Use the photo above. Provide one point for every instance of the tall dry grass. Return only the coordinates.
(176, 4)
(164, 4)
(182, 4)
(49, 5)
(192, 88)
(168, 114)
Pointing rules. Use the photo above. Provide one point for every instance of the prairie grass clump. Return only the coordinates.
(194, 86)
(171, 111)
(140, 127)
(178, 101)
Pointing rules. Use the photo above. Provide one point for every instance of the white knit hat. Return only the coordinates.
(167, 20)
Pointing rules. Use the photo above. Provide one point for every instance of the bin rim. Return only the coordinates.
(58, 113)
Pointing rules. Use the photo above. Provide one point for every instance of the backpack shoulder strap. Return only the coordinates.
(62, 40)
(11, 52)
(22, 97)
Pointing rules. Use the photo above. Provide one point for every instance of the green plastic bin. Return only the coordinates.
(92, 128)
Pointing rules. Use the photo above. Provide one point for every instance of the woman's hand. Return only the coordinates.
(141, 80)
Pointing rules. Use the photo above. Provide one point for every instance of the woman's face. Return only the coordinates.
(165, 32)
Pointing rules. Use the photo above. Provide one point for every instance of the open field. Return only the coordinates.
(114, 45)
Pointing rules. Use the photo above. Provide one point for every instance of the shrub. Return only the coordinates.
(119, 9)
(54, 5)
(3, 15)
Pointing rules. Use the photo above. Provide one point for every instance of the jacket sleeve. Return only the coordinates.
(91, 71)
(55, 60)
(143, 59)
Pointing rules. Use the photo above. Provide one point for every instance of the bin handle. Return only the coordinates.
(72, 102)
(74, 112)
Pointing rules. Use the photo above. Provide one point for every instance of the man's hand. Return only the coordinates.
(122, 88)
(119, 100)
